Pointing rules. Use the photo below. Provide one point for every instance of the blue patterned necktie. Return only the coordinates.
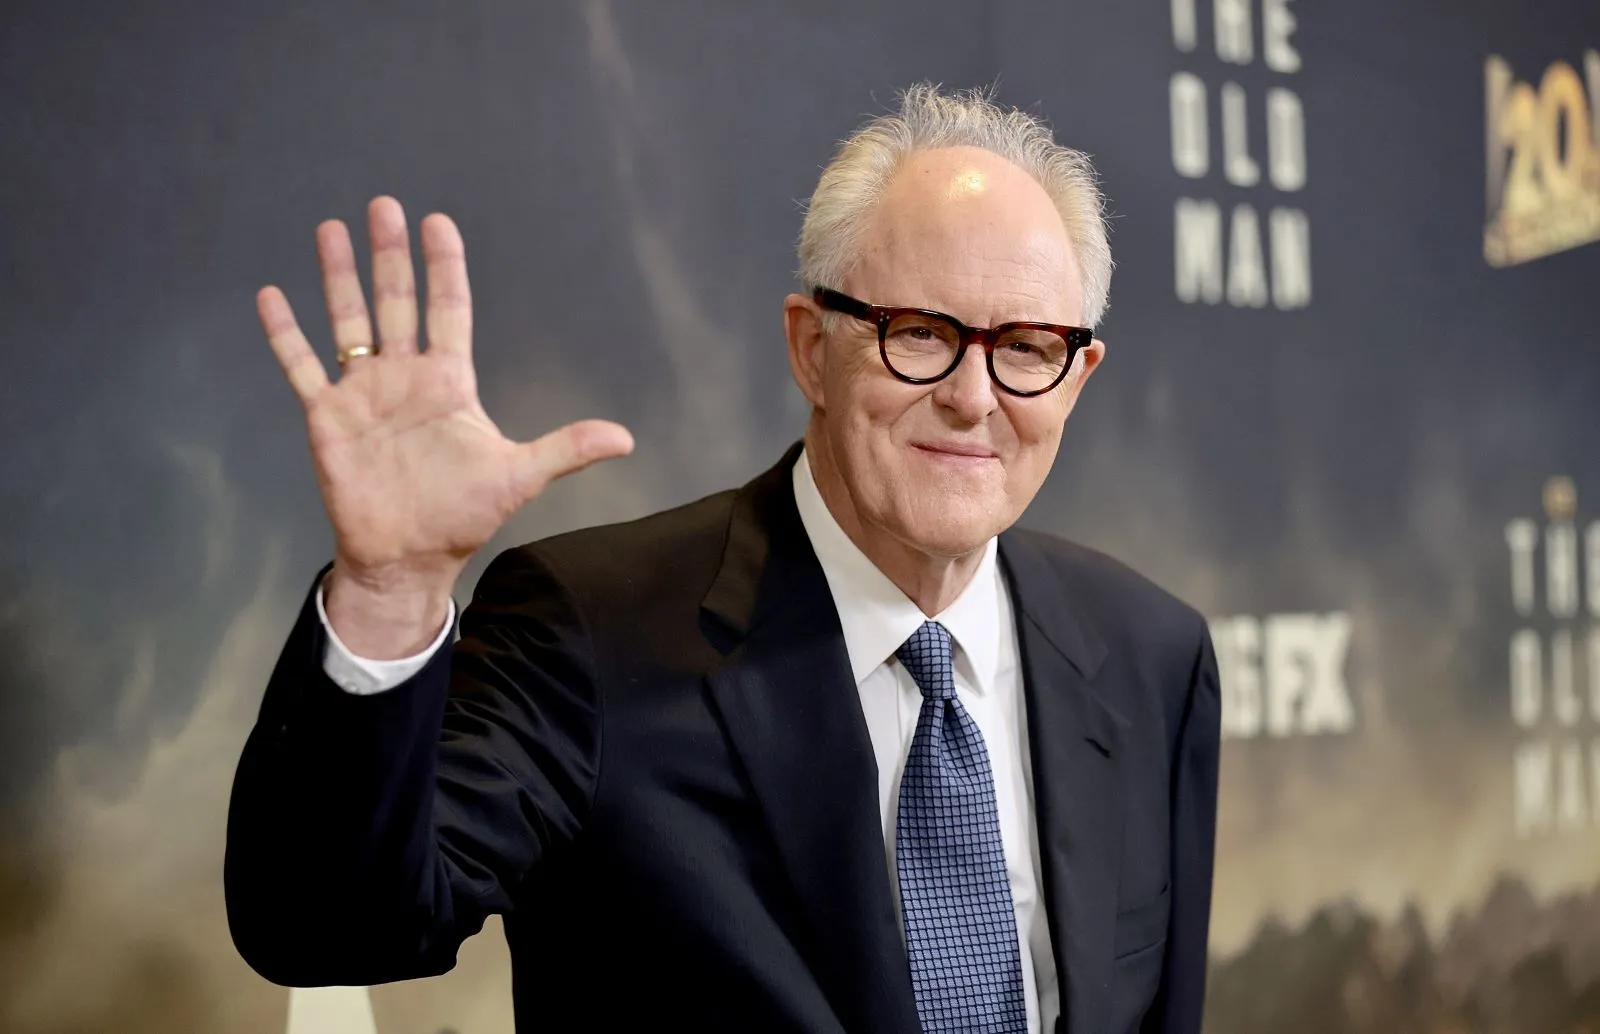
(961, 932)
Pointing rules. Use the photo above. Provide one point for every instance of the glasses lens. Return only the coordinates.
(920, 346)
(1030, 360)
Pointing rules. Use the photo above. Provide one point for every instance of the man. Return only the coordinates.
(835, 751)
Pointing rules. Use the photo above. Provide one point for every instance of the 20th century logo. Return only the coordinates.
(1543, 160)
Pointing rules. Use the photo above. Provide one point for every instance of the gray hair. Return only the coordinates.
(855, 180)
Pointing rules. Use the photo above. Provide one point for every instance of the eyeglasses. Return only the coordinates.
(920, 346)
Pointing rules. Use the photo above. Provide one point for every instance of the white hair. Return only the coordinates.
(855, 180)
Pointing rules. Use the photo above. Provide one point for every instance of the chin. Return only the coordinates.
(953, 530)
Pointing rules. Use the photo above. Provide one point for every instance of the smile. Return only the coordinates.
(955, 452)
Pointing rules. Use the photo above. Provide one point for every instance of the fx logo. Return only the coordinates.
(1283, 675)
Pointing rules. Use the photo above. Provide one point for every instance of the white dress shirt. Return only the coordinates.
(877, 617)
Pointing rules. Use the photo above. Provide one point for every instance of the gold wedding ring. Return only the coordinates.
(356, 353)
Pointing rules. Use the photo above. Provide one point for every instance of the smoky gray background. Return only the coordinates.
(628, 178)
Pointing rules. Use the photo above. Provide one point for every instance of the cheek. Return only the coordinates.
(863, 394)
(1037, 438)
(1037, 423)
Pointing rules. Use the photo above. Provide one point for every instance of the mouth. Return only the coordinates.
(956, 451)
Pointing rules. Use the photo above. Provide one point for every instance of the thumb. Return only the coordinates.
(564, 451)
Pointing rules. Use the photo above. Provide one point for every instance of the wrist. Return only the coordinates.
(388, 617)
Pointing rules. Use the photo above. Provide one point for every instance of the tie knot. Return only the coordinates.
(927, 656)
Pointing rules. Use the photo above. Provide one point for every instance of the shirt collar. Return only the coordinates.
(876, 616)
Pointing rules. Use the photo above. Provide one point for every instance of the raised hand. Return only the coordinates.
(414, 474)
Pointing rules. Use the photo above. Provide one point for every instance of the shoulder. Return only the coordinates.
(1153, 650)
(1124, 606)
(664, 553)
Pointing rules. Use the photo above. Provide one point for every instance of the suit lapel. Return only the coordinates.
(1074, 736)
(789, 703)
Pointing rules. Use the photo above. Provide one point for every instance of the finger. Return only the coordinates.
(300, 364)
(394, 285)
(341, 285)
(449, 296)
(568, 450)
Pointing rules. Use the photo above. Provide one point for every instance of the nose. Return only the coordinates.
(968, 392)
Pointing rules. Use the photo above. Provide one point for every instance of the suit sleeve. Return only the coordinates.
(368, 836)
(1180, 1002)
(361, 675)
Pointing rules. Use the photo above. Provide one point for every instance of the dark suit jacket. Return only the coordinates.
(647, 752)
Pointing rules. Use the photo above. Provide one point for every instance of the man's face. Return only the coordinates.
(943, 467)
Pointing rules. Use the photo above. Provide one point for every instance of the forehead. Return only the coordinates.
(963, 230)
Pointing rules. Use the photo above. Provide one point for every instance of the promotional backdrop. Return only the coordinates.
(1350, 410)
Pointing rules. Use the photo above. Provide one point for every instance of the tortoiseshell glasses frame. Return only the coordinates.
(929, 345)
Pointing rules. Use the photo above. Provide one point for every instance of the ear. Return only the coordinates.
(1092, 357)
(802, 326)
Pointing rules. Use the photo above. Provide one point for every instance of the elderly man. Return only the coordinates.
(840, 750)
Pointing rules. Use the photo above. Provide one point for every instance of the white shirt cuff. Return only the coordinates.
(364, 677)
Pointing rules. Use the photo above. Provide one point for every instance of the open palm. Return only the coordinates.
(414, 474)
